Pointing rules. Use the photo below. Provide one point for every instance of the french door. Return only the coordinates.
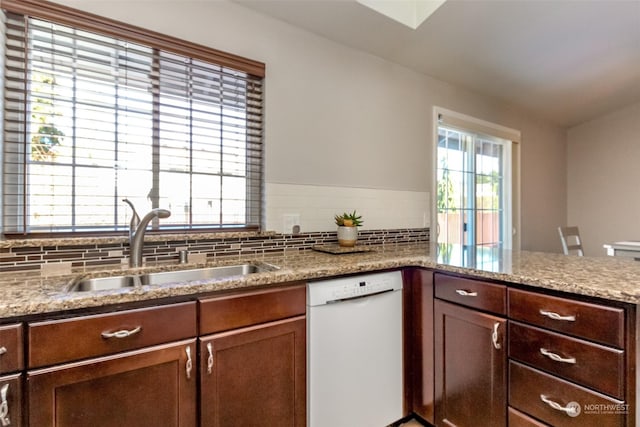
(473, 189)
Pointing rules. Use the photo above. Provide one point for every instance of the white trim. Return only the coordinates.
(501, 131)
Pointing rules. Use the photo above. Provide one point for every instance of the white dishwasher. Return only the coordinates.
(354, 351)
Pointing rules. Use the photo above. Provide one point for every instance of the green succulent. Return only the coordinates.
(349, 219)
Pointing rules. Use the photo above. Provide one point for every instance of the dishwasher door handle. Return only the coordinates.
(360, 296)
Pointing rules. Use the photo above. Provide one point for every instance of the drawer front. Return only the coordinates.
(592, 365)
(518, 419)
(59, 341)
(251, 308)
(528, 387)
(472, 293)
(11, 346)
(591, 321)
(11, 400)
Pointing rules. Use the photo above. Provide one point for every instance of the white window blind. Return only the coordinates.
(91, 119)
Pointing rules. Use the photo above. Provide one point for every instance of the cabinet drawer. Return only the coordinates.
(528, 387)
(518, 419)
(11, 345)
(592, 365)
(11, 400)
(592, 321)
(59, 341)
(472, 293)
(251, 308)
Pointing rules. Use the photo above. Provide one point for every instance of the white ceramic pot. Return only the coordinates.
(347, 236)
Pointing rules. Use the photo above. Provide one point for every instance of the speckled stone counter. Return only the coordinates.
(23, 294)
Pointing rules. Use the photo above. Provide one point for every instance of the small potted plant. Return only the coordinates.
(348, 224)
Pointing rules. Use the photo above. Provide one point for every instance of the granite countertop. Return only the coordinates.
(611, 278)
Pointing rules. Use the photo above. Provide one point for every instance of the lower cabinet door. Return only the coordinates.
(470, 367)
(254, 376)
(151, 387)
(11, 400)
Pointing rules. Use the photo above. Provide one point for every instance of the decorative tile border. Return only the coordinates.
(81, 253)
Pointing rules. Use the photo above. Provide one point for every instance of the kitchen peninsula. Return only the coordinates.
(28, 293)
(588, 306)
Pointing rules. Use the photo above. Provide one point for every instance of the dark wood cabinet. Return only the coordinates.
(11, 345)
(472, 293)
(155, 386)
(254, 376)
(583, 362)
(562, 403)
(595, 322)
(11, 362)
(243, 309)
(109, 333)
(253, 362)
(11, 400)
(568, 361)
(419, 369)
(470, 367)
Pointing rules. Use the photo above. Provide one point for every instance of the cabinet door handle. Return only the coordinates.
(556, 316)
(210, 358)
(189, 364)
(122, 333)
(4, 406)
(494, 336)
(572, 409)
(3, 350)
(464, 293)
(556, 357)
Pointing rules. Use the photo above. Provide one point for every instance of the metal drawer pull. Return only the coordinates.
(122, 333)
(4, 406)
(464, 293)
(189, 364)
(557, 357)
(3, 350)
(494, 336)
(210, 358)
(572, 409)
(556, 316)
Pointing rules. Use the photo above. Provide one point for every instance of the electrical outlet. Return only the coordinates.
(290, 221)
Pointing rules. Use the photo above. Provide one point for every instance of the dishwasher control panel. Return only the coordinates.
(335, 290)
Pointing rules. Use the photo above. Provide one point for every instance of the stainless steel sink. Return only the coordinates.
(200, 274)
(104, 283)
(163, 277)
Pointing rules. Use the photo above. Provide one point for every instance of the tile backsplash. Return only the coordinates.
(95, 252)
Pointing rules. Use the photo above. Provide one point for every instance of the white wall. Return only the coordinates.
(603, 176)
(339, 117)
(316, 206)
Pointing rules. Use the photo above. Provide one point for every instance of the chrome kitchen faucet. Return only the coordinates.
(137, 229)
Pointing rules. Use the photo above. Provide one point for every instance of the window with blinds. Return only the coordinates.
(91, 119)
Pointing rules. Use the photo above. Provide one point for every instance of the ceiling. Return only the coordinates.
(567, 61)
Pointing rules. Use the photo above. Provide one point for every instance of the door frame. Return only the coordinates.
(515, 168)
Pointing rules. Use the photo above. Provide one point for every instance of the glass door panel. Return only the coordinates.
(471, 189)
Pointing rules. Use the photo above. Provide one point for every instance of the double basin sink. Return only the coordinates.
(163, 277)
